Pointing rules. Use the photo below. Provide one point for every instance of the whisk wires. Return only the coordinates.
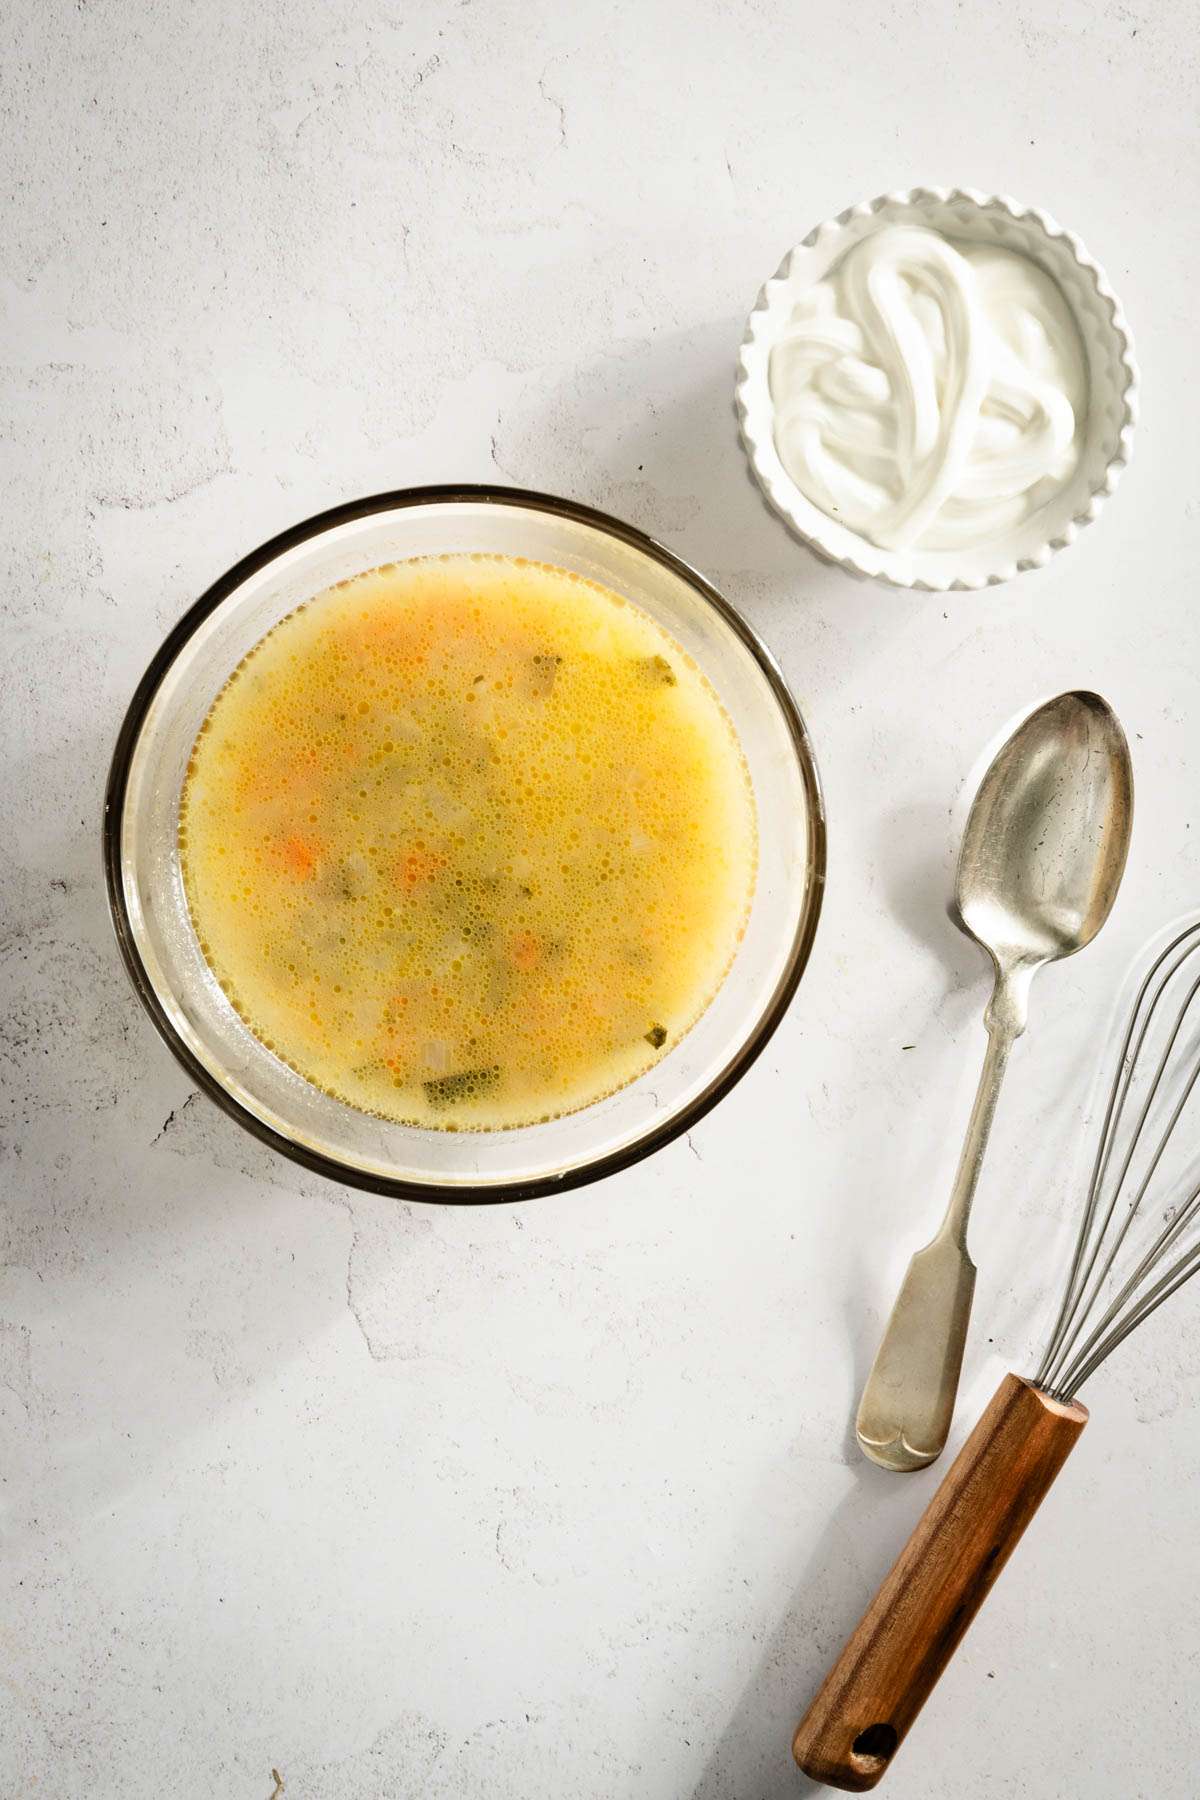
(1114, 1284)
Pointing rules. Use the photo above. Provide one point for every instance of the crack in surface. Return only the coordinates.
(504, 470)
(421, 75)
(139, 503)
(351, 1302)
(174, 1114)
(374, 1354)
(352, 1305)
(553, 100)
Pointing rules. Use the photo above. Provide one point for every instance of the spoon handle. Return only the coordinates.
(908, 1401)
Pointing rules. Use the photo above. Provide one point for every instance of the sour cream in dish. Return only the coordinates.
(928, 394)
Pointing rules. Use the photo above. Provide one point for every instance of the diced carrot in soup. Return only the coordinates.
(525, 950)
(418, 866)
(298, 855)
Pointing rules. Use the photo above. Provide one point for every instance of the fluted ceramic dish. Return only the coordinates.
(179, 990)
(966, 216)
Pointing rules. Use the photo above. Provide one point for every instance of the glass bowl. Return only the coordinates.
(180, 992)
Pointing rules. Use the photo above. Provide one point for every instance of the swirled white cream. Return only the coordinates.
(929, 395)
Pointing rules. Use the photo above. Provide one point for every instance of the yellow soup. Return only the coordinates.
(468, 841)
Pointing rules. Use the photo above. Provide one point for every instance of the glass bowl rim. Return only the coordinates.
(656, 1136)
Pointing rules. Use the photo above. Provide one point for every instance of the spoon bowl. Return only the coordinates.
(1048, 833)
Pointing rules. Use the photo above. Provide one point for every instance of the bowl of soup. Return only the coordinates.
(464, 844)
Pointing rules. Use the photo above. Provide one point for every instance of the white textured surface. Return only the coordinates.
(557, 1499)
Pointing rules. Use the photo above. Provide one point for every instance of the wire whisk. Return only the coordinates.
(1137, 1188)
(1135, 1247)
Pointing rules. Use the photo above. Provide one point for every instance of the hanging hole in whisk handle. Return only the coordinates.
(874, 1748)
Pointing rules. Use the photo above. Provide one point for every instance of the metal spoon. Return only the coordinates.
(1041, 862)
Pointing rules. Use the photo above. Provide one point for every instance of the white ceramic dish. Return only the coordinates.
(964, 215)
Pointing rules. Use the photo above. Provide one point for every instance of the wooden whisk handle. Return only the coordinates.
(963, 1539)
